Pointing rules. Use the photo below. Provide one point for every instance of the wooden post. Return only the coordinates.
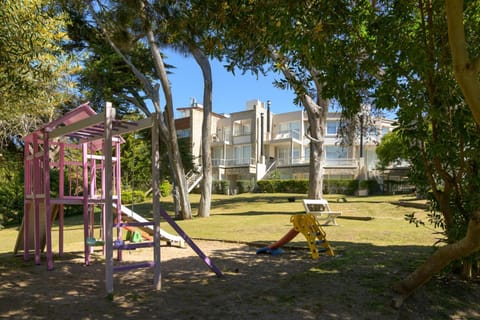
(85, 202)
(107, 152)
(157, 280)
(46, 192)
(61, 194)
(27, 193)
(37, 174)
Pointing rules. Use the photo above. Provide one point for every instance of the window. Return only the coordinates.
(332, 127)
(242, 128)
(242, 154)
(290, 129)
(336, 152)
(307, 154)
(183, 133)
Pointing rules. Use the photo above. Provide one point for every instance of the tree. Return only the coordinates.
(303, 42)
(35, 71)
(440, 136)
(187, 29)
(125, 26)
(391, 149)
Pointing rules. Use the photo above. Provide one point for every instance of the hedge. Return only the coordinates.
(333, 186)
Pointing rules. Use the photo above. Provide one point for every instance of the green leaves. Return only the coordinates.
(34, 71)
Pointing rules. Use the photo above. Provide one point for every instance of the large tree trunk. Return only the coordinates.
(317, 117)
(440, 259)
(206, 183)
(167, 128)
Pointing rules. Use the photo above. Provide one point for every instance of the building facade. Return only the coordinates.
(256, 144)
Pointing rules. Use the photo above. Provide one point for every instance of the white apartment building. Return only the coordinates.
(255, 143)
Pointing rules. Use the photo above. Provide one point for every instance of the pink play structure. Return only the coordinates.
(84, 148)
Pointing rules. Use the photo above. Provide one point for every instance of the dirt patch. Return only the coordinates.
(289, 286)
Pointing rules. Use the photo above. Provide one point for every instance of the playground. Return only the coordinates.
(257, 256)
(355, 284)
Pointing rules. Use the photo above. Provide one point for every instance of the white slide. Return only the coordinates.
(177, 240)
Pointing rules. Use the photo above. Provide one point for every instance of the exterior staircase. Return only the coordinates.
(193, 178)
(271, 166)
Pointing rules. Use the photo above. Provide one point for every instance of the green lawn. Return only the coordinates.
(375, 247)
(263, 218)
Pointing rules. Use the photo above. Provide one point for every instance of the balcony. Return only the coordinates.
(233, 162)
(221, 139)
(341, 163)
(286, 137)
(329, 163)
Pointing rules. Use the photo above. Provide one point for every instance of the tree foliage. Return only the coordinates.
(390, 150)
(439, 135)
(317, 47)
(35, 73)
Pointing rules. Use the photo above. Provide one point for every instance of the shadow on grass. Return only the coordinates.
(355, 284)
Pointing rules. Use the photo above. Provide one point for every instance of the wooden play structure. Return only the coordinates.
(75, 160)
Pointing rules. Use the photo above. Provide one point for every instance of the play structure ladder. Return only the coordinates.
(132, 215)
(313, 232)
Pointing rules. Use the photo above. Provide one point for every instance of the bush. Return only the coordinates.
(165, 188)
(340, 186)
(221, 186)
(337, 186)
(225, 186)
(244, 186)
(133, 196)
(288, 186)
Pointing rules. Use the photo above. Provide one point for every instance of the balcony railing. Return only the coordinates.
(295, 134)
(346, 163)
(341, 162)
(232, 162)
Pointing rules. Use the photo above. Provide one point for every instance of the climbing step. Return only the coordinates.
(311, 230)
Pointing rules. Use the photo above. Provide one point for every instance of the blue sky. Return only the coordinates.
(230, 92)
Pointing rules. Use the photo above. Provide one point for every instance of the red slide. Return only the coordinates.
(274, 248)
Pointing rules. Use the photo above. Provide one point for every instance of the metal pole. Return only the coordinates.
(261, 135)
(361, 136)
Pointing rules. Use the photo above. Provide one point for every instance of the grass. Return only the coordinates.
(370, 256)
(264, 218)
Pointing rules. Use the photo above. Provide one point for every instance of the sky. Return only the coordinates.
(230, 92)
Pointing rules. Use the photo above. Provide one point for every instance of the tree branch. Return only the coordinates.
(140, 76)
(466, 70)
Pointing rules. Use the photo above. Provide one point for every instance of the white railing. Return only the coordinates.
(232, 162)
(193, 178)
(348, 163)
(342, 162)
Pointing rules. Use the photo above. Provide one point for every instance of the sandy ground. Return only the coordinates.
(253, 286)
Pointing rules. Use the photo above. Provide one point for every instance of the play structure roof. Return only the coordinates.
(83, 124)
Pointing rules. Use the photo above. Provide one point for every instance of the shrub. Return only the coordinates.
(221, 186)
(225, 186)
(165, 188)
(336, 186)
(244, 186)
(133, 196)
